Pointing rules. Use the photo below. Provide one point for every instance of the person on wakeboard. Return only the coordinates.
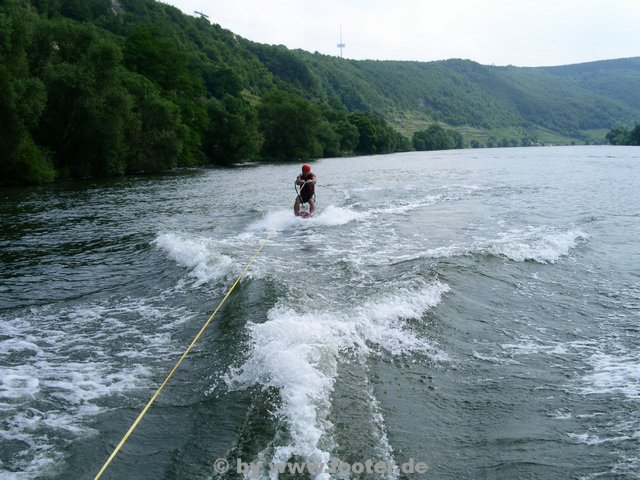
(307, 183)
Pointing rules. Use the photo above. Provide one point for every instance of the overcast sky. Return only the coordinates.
(500, 32)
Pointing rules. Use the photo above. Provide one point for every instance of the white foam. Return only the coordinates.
(69, 360)
(200, 255)
(402, 208)
(444, 252)
(588, 439)
(285, 219)
(539, 244)
(613, 374)
(16, 384)
(40, 457)
(82, 383)
(385, 450)
(493, 359)
(276, 221)
(298, 352)
(334, 216)
(562, 415)
(12, 345)
(382, 319)
(534, 345)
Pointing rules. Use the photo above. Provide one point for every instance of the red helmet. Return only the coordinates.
(306, 168)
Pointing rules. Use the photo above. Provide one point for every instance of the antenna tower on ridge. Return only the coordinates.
(341, 45)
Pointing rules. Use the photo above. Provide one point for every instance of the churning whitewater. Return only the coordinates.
(475, 312)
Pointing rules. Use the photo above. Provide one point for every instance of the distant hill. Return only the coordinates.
(569, 100)
(616, 79)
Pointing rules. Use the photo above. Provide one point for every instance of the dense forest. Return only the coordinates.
(623, 136)
(111, 87)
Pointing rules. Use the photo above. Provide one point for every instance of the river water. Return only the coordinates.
(475, 311)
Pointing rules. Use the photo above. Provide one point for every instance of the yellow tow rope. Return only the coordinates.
(186, 352)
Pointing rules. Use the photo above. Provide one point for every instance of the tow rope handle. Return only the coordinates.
(299, 191)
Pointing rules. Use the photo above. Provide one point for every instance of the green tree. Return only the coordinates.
(153, 53)
(375, 135)
(367, 133)
(437, 138)
(46, 8)
(290, 126)
(329, 139)
(285, 65)
(337, 135)
(349, 136)
(156, 134)
(80, 10)
(87, 110)
(21, 103)
(76, 9)
(634, 136)
(458, 139)
(233, 134)
(618, 136)
(221, 80)
(148, 51)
